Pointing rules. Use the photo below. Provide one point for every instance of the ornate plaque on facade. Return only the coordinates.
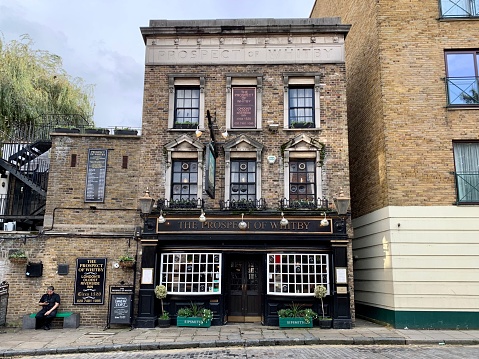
(244, 107)
(96, 175)
(90, 281)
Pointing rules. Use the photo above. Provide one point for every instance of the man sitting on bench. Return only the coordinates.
(49, 303)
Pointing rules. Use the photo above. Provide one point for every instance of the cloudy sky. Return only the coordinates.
(100, 40)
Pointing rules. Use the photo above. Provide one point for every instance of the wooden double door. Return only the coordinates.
(245, 288)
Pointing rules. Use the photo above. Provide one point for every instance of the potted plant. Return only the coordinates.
(18, 256)
(164, 318)
(68, 129)
(97, 131)
(126, 261)
(194, 316)
(186, 125)
(302, 125)
(296, 317)
(320, 292)
(125, 131)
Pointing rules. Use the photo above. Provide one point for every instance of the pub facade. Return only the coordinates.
(244, 164)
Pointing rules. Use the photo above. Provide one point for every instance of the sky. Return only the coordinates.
(100, 40)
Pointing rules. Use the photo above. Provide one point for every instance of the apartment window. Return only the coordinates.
(302, 180)
(466, 161)
(297, 274)
(462, 78)
(244, 101)
(186, 101)
(184, 184)
(191, 273)
(301, 102)
(243, 180)
(459, 8)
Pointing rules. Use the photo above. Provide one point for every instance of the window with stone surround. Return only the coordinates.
(244, 101)
(301, 101)
(297, 273)
(459, 8)
(462, 78)
(466, 161)
(191, 273)
(186, 102)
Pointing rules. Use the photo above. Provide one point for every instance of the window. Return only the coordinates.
(297, 273)
(184, 180)
(462, 78)
(301, 102)
(243, 180)
(459, 8)
(302, 180)
(244, 101)
(187, 107)
(187, 273)
(186, 101)
(466, 160)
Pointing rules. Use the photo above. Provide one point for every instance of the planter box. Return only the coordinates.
(126, 132)
(302, 125)
(186, 125)
(97, 131)
(66, 130)
(294, 322)
(163, 323)
(326, 323)
(192, 322)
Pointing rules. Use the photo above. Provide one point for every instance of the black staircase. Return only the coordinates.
(25, 164)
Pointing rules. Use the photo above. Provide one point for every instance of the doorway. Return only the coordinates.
(245, 280)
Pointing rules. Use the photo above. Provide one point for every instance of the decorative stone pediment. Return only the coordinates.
(243, 143)
(184, 143)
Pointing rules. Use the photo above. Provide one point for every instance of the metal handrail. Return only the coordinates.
(467, 187)
(462, 90)
(311, 204)
(459, 9)
(243, 205)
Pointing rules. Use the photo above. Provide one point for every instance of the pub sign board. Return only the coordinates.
(96, 175)
(90, 281)
(210, 170)
(244, 107)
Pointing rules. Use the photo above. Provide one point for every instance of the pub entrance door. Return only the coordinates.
(245, 280)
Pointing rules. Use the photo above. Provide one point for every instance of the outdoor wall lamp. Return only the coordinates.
(161, 219)
(284, 221)
(324, 221)
(242, 225)
(146, 204)
(202, 218)
(198, 132)
(341, 203)
(225, 134)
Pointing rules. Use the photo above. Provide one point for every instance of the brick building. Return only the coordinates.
(412, 80)
(243, 150)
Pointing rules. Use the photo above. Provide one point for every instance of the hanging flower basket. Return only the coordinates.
(127, 264)
(18, 260)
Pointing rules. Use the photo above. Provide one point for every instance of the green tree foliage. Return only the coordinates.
(33, 85)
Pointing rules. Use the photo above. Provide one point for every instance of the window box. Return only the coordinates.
(302, 125)
(97, 131)
(67, 130)
(294, 322)
(124, 131)
(193, 322)
(186, 126)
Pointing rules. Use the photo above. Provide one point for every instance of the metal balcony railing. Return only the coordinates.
(243, 205)
(311, 204)
(462, 91)
(22, 205)
(165, 204)
(467, 188)
(459, 8)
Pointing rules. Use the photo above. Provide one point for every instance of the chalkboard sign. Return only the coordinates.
(121, 300)
(96, 175)
(90, 281)
(3, 302)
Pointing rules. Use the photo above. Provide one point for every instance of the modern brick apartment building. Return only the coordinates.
(413, 116)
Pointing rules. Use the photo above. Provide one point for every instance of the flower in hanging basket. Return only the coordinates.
(126, 261)
(18, 257)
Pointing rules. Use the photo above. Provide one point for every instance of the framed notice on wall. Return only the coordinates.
(96, 175)
(243, 114)
(90, 281)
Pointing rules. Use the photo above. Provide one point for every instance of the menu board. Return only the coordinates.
(244, 107)
(120, 305)
(96, 175)
(90, 281)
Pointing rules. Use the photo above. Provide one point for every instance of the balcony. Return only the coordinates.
(462, 91)
(467, 188)
(243, 205)
(321, 204)
(180, 204)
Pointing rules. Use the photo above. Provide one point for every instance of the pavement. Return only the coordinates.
(19, 342)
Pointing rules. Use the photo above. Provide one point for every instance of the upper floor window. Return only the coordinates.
(462, 78)
(243, 180)
(459, 8)
(186, 101)
(185, 180)
(302, 179)
(466, 161)
(244, 101)
(301, 101)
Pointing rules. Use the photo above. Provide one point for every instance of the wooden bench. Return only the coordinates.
(70, 320)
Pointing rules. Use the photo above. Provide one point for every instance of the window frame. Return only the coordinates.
(298, 182)
(287, 272)
(178, 81)
(463, 184)
(194, 120)
(182, 162)
(472, 4)
(250, 162)
(181, 265)
(450, 84)
(304, 80)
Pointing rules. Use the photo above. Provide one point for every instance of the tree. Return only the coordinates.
(33, 84)
(472, 99)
